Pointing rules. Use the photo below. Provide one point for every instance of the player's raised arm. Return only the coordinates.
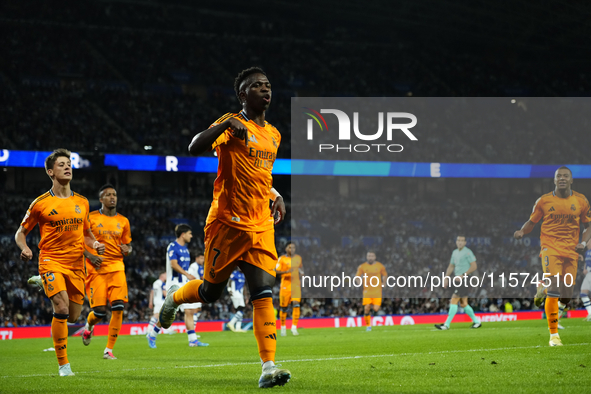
(21, 241)
(203, 141)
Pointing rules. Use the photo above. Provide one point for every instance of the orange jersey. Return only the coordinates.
(111, 231)
(376, 269)
(286, 263)
(242, 189)
(62, 222)
(562, 222)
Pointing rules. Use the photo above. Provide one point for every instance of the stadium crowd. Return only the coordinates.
(115, 77)
(119, 78)
(413, 243)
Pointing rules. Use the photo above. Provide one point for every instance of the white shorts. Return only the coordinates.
(586, 285)
(238, 299)
(195, 305)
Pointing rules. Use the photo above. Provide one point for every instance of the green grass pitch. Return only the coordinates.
(499, 357)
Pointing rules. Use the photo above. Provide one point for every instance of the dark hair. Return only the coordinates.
(565, 168)
(199, 252)
(243, 75)
(181, 228)
(460, 235)
(50, 160)
(105, 186)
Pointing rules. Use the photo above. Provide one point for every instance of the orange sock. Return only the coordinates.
(114, 327)
(59, 333)
(296, 316)
(368, 320)
(552, 314)
(264, 328)
(189, 293)
(283, 317)
(93, 319)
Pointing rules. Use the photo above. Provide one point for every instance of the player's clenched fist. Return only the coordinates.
(99, 247)
(238, 129)
(518, 234)
(26, 255)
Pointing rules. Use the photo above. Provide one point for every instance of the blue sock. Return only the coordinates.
(453, 309)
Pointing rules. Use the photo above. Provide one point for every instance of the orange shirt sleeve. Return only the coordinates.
(87, 221)
(383, 271)
(538, 212)
(280, 266)
(126, 235)
(586, 211)
(225, 136)
(359, 271)
(31, 217)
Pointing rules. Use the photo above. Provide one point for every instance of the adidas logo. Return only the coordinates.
(53, 212)
(252, 138)
(100, 225)
(551, 209)
(272, 336)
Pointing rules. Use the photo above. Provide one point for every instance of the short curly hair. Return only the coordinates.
(243, 75)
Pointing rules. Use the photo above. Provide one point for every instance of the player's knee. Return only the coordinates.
(61, 316)
(73, 317)
(100, 311)
(283, 309)
(118, 305)
(261, 292)
(564, 300)
(296, 304)
(211, 292)
(240, 309)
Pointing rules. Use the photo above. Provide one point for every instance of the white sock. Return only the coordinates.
(233, 319)
(586, 303)
(152, 323)
(192, 337)
(268, 364)
(154, 331)
(553, 335)
(561, 307)
(294, 327)
(108, 350)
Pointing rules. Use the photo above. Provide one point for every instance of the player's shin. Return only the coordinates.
(551, 308)
(470, 312)
(283, 318)
(453, 309)
(189, 293)
(264, 328)
(115, 325)
(59, 333)
(586, 302)
(95, 317)
(296, 316)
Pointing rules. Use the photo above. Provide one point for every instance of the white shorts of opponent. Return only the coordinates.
(238, 298)
(194, 305)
